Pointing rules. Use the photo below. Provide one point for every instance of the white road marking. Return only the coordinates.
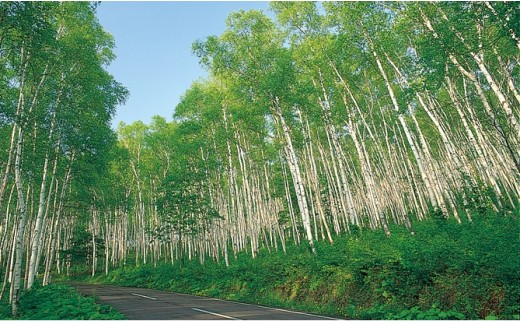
(144, 296)
(216, 314)
(299, 313)
(274, 309)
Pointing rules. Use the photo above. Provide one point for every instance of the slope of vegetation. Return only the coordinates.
(445, 271)
(319, 126)
(58, 302)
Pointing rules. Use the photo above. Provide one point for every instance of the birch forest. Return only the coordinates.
(317, 120)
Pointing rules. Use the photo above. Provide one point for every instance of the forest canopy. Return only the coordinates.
(328, 119)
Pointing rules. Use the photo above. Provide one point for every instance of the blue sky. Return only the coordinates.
(153, 47)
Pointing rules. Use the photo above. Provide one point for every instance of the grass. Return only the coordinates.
(58, 302)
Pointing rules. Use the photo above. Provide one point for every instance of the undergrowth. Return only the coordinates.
(446, 270)
(58, 302)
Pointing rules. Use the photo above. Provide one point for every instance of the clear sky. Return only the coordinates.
(153, 47)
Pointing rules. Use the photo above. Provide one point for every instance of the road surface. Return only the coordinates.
(148, 304)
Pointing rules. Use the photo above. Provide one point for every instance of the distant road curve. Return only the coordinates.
(149, 304)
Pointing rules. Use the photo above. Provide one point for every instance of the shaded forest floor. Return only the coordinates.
(445, 271)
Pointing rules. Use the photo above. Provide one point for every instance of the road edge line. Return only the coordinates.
(212, 313)
(144, 296)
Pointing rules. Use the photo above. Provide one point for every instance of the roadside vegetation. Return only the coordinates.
(445, 271)
(58, 302)
(357, 159)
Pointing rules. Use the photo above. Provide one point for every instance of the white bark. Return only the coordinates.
(479, 59)
(294, 167)
(17, 272)
(36, 242)
(402, 121)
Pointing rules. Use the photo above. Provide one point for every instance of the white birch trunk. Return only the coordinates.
(17, 271)
(402, 121)
(297, 178)
(479, 59)
(41, 206)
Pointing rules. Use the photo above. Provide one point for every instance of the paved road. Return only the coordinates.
(148, 304)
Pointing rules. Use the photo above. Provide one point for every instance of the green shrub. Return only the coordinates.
(59, 302)
(433, 313)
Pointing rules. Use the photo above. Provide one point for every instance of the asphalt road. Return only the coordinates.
(148, 304)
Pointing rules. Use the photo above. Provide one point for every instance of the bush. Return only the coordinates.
(432, 314)
(59, 302)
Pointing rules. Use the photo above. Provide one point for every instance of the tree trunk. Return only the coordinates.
(41, 206)
(17, 272)
(297, 178)
(402, 121)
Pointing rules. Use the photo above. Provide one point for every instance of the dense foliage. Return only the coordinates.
(56, 103)
(318, 126)
(322, 117)
(58, 302)
(445, 271)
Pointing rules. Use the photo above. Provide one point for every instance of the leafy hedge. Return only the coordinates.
(445, 271)
(58, 302)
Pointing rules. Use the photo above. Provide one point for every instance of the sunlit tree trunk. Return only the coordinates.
(402, 121)
(479, 59)
(294, 168)
(36, 242)
(17, 272)
(54, 232)
(313, 179)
